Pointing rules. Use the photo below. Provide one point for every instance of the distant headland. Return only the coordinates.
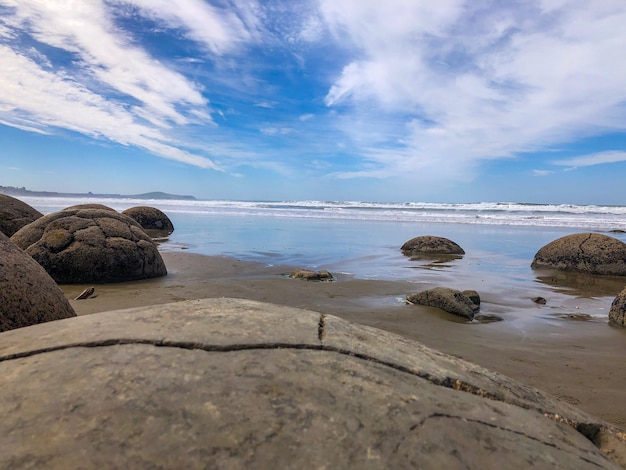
(13, 191)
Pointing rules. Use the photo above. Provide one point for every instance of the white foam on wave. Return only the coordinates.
(591, 217)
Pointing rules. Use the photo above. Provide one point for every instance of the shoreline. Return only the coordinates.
(580, 362)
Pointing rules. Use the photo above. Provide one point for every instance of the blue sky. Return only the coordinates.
(401, 100)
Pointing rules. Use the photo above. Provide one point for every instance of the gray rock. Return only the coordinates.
(224, 383)
(430, 245)
(153, 220)
(15, 214)
(617, 314)
(81, 246)
(28, 295)
(309, 275)
(450, 300)
(589, 253)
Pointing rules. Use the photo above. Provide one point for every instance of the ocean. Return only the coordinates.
(363, 239)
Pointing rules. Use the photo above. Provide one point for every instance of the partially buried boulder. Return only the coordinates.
(28, 295)
(81, 246)
(589, 253)
(310, 275)
(15, 214)
(430, 245)
(227, 383)
(617, 314)
(153, 220)
(465, 304)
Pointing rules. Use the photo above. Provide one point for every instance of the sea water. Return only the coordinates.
(363, 239)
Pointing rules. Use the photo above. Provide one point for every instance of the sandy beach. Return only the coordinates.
(582, 362)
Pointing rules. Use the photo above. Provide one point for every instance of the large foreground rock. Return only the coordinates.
(617, 314)
(589, 253)
(226, 383)
(464, 304)
(15, 214)
(430, 245)
(154, 221)
(28, 295)
(78, 246)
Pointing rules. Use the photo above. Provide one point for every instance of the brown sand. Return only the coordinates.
(581, 362)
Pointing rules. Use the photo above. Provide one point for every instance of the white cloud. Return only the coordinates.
(42, 99)
(593, 159)
(112, 89)
(265, 104)
(542, 172)
(276, 130)
(220, 30)
(306, 117)
(465, 81)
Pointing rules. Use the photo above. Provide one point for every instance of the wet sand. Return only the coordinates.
(579, 359)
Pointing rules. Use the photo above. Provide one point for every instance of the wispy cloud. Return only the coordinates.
(276, 130)
(470, 81)
(218, 29)
(111, 88)
(416, 88)
(599, 158)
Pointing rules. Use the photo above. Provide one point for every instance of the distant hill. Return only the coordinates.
(13, 191)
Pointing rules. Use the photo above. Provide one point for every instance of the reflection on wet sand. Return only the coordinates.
(579, 284)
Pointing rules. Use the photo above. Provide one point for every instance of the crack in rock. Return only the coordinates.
(581, 251)
(591, 431)
(493, 426)
(321, 328)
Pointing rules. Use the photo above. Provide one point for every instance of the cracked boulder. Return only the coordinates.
(617, 314)
(80, 246)
(226, 383)
(589, 253)
(15, 214)
(28, 295)
(428, 245)
(154, 221)
(464, 304)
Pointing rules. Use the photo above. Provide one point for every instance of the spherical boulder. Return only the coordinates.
(589, 253)
(79, 246)
(225, 383)
(153, 220)
(15, 214)
(28, 295)
(431, 245)
(617, 314)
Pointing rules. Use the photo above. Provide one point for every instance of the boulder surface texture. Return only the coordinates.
(310, 275)
(430, 245)
(617, 314)
(15, 214)
(154, 221)
(465, 304)
(225, 383)
(28, 295)
(589, 253)
(90, 206)
(81, 246)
